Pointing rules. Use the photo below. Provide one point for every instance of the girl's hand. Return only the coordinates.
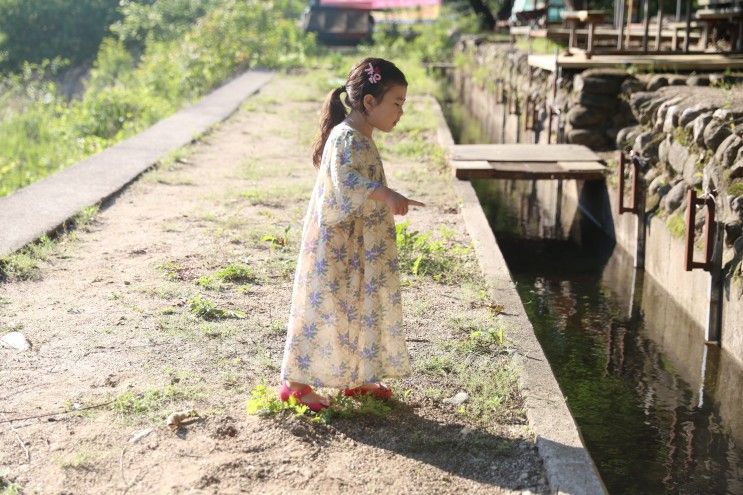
(398, 203)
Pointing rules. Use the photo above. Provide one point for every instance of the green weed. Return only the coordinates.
(277, 240)
(676, 225)
(152, 403)
(208, 310)
(238, 273)
(80, 460)
(264, 401)
(24, 263)
(420, 255)
(9, 488)
(735, 189)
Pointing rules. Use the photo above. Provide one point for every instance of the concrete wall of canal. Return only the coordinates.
(508, 99)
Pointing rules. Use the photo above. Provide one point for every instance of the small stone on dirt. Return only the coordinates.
(16, 340)
(458, 399)
(140, 435)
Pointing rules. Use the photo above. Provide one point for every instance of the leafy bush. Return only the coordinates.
(34, 30)
(128, 92)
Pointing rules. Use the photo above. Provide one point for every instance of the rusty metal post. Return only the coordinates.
(620, 26)
(709, 231)
(551, 105)
(645, 25)
(517, 112)
(712, 263)
(659, 34)
(637, 203)
(688, 26)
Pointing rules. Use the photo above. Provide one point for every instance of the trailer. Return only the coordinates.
(351, 21)
(338, 21)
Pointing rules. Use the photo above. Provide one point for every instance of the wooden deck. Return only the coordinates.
(699, 62)
(526, 161)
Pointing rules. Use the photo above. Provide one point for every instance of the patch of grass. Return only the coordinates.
(278, 196)
(493, 390)
(538, 45)
(277, 239)
(277, 327)
(478, 364)
(238, 273)
(260, 103)
(264, 401)
(216, 330)
(24, 263)
(681, 136)
(676, 225)
(253, 170)
(439, 365)
(81, 460)
(486, 341)
(281, 267)
(735, 189)
(168, 178)
(172, 270)
(9, 488)
(421, 255)
(209, 283)
(208, 310)
(152, 403)
(176, 158)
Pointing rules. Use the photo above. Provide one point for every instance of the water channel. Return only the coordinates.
(659, 411)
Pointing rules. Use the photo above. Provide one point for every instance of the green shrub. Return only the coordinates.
(127, 92)
(34, 30)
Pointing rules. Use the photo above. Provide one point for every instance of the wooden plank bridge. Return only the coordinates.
(526, 161)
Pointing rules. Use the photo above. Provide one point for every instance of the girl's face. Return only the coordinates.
(385, 114)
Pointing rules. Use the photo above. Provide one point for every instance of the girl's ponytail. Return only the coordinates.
(333, 112)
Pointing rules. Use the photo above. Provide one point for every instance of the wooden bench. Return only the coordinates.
(526, 161)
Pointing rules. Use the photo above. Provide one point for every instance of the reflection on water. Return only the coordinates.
(658, 409)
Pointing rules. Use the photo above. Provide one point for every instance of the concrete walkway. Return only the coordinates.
(42, 207)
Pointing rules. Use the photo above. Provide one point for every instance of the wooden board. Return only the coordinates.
(699, 62)
(523, 152)
(480, 169)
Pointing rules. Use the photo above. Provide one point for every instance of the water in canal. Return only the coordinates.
(659, 411)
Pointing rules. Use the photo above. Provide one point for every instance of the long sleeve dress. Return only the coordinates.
(345, 323)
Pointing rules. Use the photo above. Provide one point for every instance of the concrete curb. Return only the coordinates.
(569, 467)
(42, 207)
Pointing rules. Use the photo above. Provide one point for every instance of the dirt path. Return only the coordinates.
(112, 317)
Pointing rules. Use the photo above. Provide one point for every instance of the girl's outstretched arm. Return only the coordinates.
(397, 203)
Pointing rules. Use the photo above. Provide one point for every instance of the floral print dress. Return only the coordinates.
(345, 323)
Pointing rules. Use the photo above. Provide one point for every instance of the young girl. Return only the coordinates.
(345, 324)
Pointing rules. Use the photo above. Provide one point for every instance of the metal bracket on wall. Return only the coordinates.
(712, 259)
(530, 113)
(634, 206)
(637, 204)
(692, 201)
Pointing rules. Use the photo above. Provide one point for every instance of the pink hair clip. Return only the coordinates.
(374, 75)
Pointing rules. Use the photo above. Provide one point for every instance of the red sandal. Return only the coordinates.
(382, 392)
(285, 392)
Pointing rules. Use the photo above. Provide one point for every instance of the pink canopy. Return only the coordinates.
(380, 4)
